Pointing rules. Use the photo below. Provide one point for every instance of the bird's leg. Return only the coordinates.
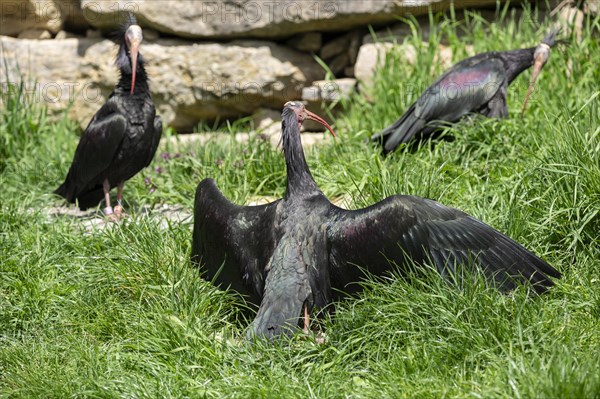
(119, 207)
(320, 338)
(306, 320)
(108, 210)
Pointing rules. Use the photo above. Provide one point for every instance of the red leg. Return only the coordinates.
(306, 320)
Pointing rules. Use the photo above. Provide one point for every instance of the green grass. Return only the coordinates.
(122, 313)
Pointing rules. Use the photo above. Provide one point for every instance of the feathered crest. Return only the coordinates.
(130, 19)
(550, 38)
(129, 59)
(118, 35)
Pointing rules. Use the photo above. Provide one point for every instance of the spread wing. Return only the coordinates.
(405, 227)
(98, 146)
(232, 243)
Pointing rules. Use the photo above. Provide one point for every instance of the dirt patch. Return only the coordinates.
(93, 220)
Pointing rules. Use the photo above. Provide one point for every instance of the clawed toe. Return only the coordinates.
(120, 212)
(320, 338)
(109, 214)
(114, 215)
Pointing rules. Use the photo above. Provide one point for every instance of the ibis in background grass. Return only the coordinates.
(121, 138)
(475, 85)
(301, 252)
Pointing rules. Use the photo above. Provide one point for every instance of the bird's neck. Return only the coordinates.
(141, 81)
(517, 61)
(299, 179)
(125, 68)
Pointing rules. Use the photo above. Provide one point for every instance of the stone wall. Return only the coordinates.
(206, 59)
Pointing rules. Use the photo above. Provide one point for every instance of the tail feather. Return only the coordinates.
(401, 131)
(287, 290)
(91, 198)
(62, 191)
(67, 189)
(87, 199)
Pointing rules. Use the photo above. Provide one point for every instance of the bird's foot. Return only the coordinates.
(110, 215)
(320, 338)
(306, 328)
(119, 212)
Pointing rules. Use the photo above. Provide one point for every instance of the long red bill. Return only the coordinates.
(537, 67)
(318, 119)
(134, 57)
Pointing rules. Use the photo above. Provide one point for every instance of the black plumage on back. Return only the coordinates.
(301, 251)
(121, 138)
(477, 84)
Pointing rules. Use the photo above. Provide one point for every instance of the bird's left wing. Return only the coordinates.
(232, 243)
(463, 89)
(156, 131)
(402, 229)
(98, 145)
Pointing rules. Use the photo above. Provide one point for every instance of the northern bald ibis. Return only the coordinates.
(475, 85)
(121, 138)
(301, 251)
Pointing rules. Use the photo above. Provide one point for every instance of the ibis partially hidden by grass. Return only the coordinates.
(121, 312)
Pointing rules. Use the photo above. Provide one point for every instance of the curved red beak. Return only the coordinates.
(133, 37)
(318, 119)
(133, 51)
(541, 56)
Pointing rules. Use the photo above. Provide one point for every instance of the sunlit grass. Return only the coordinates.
(121, 312)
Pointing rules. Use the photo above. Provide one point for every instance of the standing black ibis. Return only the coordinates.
(121, 138)
(475, 85)
(301, 251)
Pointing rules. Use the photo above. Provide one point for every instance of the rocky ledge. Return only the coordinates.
(213, 60)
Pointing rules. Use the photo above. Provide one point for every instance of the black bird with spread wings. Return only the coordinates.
(121, 138)
(299, 252)
(475, 85)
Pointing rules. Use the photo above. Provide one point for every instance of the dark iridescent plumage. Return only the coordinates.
(122, 137)
(475, 85)
(301, 251)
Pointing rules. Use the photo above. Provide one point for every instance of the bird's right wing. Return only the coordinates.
(98, 145)
(232, 243)
(406, 229)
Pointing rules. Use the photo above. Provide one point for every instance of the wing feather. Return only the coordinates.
(98, 145)
(157, 128)
(461, 90)
(464, 88)
(425, 231)
(231, 243)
